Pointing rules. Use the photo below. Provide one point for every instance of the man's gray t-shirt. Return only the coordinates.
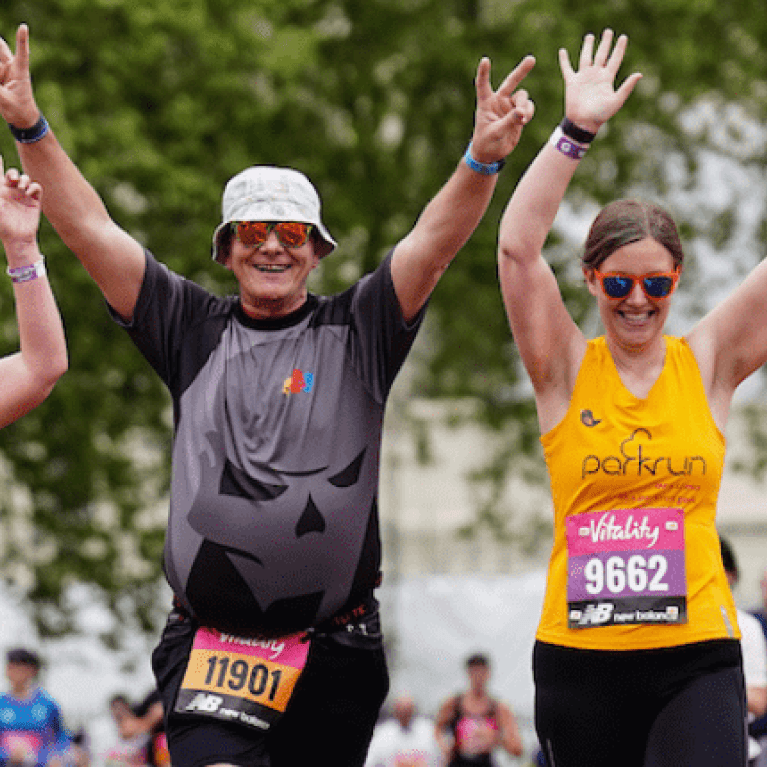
(273, 522)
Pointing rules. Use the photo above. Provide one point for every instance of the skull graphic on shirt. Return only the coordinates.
(283, 549)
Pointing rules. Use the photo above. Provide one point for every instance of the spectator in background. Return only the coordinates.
(78, 754)
(757, 729)
(32, 733)
(141, 736)
(471, 725)
(754, 648)
(405, 740)
(148, 718)
(132, 745)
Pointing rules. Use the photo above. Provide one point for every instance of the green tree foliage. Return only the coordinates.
(159, 103)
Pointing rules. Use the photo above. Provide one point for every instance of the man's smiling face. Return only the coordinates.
(272, 277)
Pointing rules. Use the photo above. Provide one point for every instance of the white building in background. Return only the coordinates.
(425, 505)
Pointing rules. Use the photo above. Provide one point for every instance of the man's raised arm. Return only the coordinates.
(112, 257)
(451, 217)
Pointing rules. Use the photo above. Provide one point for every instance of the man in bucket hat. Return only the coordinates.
(272, 654)
(270, 194)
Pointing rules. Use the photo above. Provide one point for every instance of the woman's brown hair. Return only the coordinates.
(625, 221)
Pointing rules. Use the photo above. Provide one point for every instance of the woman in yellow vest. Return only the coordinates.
(637, 660)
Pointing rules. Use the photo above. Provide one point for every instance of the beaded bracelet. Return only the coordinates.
(31, 134)
(27, 273)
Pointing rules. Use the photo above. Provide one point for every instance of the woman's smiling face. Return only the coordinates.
(636, 320)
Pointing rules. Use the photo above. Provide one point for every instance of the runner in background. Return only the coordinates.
(758, 728)
(32, 732)
(406, 739)
(754, 648)
(78, 754)
(131, 748)
(141, 733)
(471, 725)
(148, 716)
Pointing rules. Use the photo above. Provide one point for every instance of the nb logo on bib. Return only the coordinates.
(594, 615)
(203, 702)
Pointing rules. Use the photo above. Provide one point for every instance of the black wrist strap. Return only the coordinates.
(571, 130)
(31, 134)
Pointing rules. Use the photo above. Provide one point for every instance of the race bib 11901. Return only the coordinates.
(241, 679)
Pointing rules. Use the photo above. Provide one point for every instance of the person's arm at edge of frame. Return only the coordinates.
(443, 738)
(28, 375)
(756, 699)
(549, 342)
(61, 739)
(111, 256)
(756, 684)
(450, 218)
(510, 737)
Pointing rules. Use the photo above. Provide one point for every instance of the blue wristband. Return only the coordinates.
(486, 169)
(31, 134)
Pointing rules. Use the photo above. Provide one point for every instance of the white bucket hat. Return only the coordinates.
(265, 193)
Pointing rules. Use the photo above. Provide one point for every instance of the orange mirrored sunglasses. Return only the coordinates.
(290, 234)
(655, 285)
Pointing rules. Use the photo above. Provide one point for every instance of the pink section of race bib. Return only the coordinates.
(625, 530)
(287, 651)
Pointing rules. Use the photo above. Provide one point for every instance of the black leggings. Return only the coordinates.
(675, 707)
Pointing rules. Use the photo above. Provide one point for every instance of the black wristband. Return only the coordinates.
(31, 134)
(571, 130)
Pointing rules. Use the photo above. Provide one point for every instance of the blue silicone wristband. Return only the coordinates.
(31, 134)
(486, 169)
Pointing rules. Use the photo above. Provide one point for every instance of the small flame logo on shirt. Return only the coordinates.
(587, 418)
(298, 382)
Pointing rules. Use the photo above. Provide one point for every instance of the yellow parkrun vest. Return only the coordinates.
(636, 559)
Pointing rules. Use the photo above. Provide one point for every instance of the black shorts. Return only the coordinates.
(482, 760)
(673, 707)
(329, 719)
